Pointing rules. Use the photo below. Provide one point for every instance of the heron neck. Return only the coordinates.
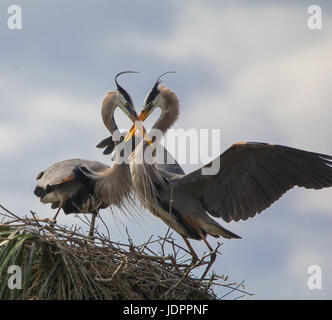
(164, 122)
(112, 127)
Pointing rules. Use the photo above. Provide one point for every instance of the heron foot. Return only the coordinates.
(52, 223)
(212, 260)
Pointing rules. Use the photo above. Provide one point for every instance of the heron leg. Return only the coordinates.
(92, 226)
(213, 254)
(193, 253)
(63, 201)
(55, 216)
(195, 225)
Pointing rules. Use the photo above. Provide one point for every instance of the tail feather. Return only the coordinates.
(214, 229)
(227, 234)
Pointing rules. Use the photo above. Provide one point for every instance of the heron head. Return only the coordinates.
(119, 98)
(124, 100)
(153, 99)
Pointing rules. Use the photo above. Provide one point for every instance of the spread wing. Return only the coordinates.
(253, 175)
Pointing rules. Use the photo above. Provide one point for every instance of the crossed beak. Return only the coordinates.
(138, 118)
(141, 117)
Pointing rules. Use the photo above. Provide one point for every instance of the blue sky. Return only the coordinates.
(251, 68)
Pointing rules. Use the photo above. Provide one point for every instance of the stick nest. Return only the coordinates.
(62, 263)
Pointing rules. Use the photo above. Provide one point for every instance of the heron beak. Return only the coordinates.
(134, 118)
(143, 115)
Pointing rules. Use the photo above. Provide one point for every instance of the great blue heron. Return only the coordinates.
(252, 176)
(65, 186)
(85, 186)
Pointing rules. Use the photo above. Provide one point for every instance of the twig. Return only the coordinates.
(141, 266)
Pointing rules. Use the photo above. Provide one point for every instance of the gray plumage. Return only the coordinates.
(65, 182)
(165, 161)
(251, 177)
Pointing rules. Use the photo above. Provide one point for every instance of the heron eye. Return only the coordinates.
(127, 105)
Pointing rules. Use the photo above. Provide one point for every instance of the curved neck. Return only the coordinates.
(169, 106)
(165, 121)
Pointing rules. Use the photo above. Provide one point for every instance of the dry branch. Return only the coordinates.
(62, 263)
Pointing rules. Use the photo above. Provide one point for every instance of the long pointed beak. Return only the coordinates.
(141, 117)
(134, 118)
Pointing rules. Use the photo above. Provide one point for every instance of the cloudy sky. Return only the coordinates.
(250, 68)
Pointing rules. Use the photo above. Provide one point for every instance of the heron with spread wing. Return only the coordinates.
(252, 176)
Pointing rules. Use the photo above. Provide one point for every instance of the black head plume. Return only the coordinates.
(155, 91)
(121, 90)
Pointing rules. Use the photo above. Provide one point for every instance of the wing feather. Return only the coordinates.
(254, 175)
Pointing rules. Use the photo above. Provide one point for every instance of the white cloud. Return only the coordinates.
(315, 201)
(229, 37)
(9, 138)
(292, 94)
(54, 107)
(47, 116)
(274, 73)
